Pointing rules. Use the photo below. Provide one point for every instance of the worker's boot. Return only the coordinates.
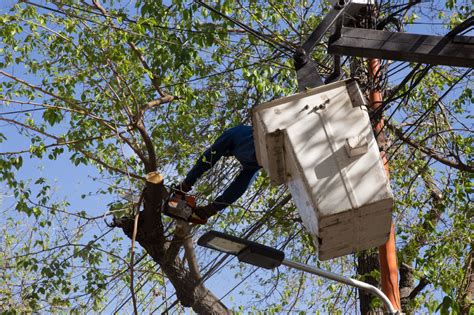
(201, 214)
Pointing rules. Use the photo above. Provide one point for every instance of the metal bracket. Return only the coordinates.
(306, 69)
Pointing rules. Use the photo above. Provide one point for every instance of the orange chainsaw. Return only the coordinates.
(181, 207)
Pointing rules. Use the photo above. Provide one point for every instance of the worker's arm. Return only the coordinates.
(210, 157)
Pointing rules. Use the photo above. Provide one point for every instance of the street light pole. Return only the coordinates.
(349, 281)
(269, 258)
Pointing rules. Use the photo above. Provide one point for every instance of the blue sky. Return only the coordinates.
(70, 182)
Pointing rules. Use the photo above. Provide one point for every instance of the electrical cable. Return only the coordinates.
(412, 128)
(278, 46)
(385, 105)
(169, 28)
(245, 235)
(456, 30)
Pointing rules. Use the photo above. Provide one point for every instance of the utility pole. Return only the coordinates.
(387, 252)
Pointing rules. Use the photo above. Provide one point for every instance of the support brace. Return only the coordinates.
(306, 69)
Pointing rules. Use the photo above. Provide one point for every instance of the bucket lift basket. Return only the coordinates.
(321, 144)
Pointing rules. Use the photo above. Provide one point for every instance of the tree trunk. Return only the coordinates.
(466, 289)
(368, 261)
(190, 290)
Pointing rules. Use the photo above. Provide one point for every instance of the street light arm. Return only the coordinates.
(338, 278)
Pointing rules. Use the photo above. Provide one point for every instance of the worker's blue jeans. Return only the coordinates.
(224, 147)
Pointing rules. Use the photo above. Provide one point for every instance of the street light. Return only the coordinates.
(267, 257)
(246, 251)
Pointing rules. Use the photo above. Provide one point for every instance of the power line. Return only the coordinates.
(421, 74)
(22, 111)
(412, 128)
(278, 46)
(169, 28)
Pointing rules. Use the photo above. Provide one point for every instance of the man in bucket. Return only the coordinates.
(237, 142)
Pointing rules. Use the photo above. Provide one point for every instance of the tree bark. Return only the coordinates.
(466, 289)
(190, 290)
(407, 283)
(408, 291)
(368, 261)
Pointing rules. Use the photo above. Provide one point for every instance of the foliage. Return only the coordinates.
(75, 87)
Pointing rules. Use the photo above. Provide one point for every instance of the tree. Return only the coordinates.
(129, 91)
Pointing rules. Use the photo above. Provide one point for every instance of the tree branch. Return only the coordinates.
(183, 232)
(421, 285)
(153, 77)
(81, 111)
(430, 152)
(150, 163)
(85, 112)
(465, 295)
(154, 103)
(107, 166)
(132, 255)
(73, 148)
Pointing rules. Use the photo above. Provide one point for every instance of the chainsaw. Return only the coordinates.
(181, 207)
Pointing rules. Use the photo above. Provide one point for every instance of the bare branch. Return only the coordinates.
(154, 103)
(67, 109)
(153, 77)
(132, 255)
(465, 295)
(428, 151)
(58, 144)
(107, 166)
(72, 147)
(183, 231)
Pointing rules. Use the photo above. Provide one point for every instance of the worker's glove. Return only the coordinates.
(201, 214)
